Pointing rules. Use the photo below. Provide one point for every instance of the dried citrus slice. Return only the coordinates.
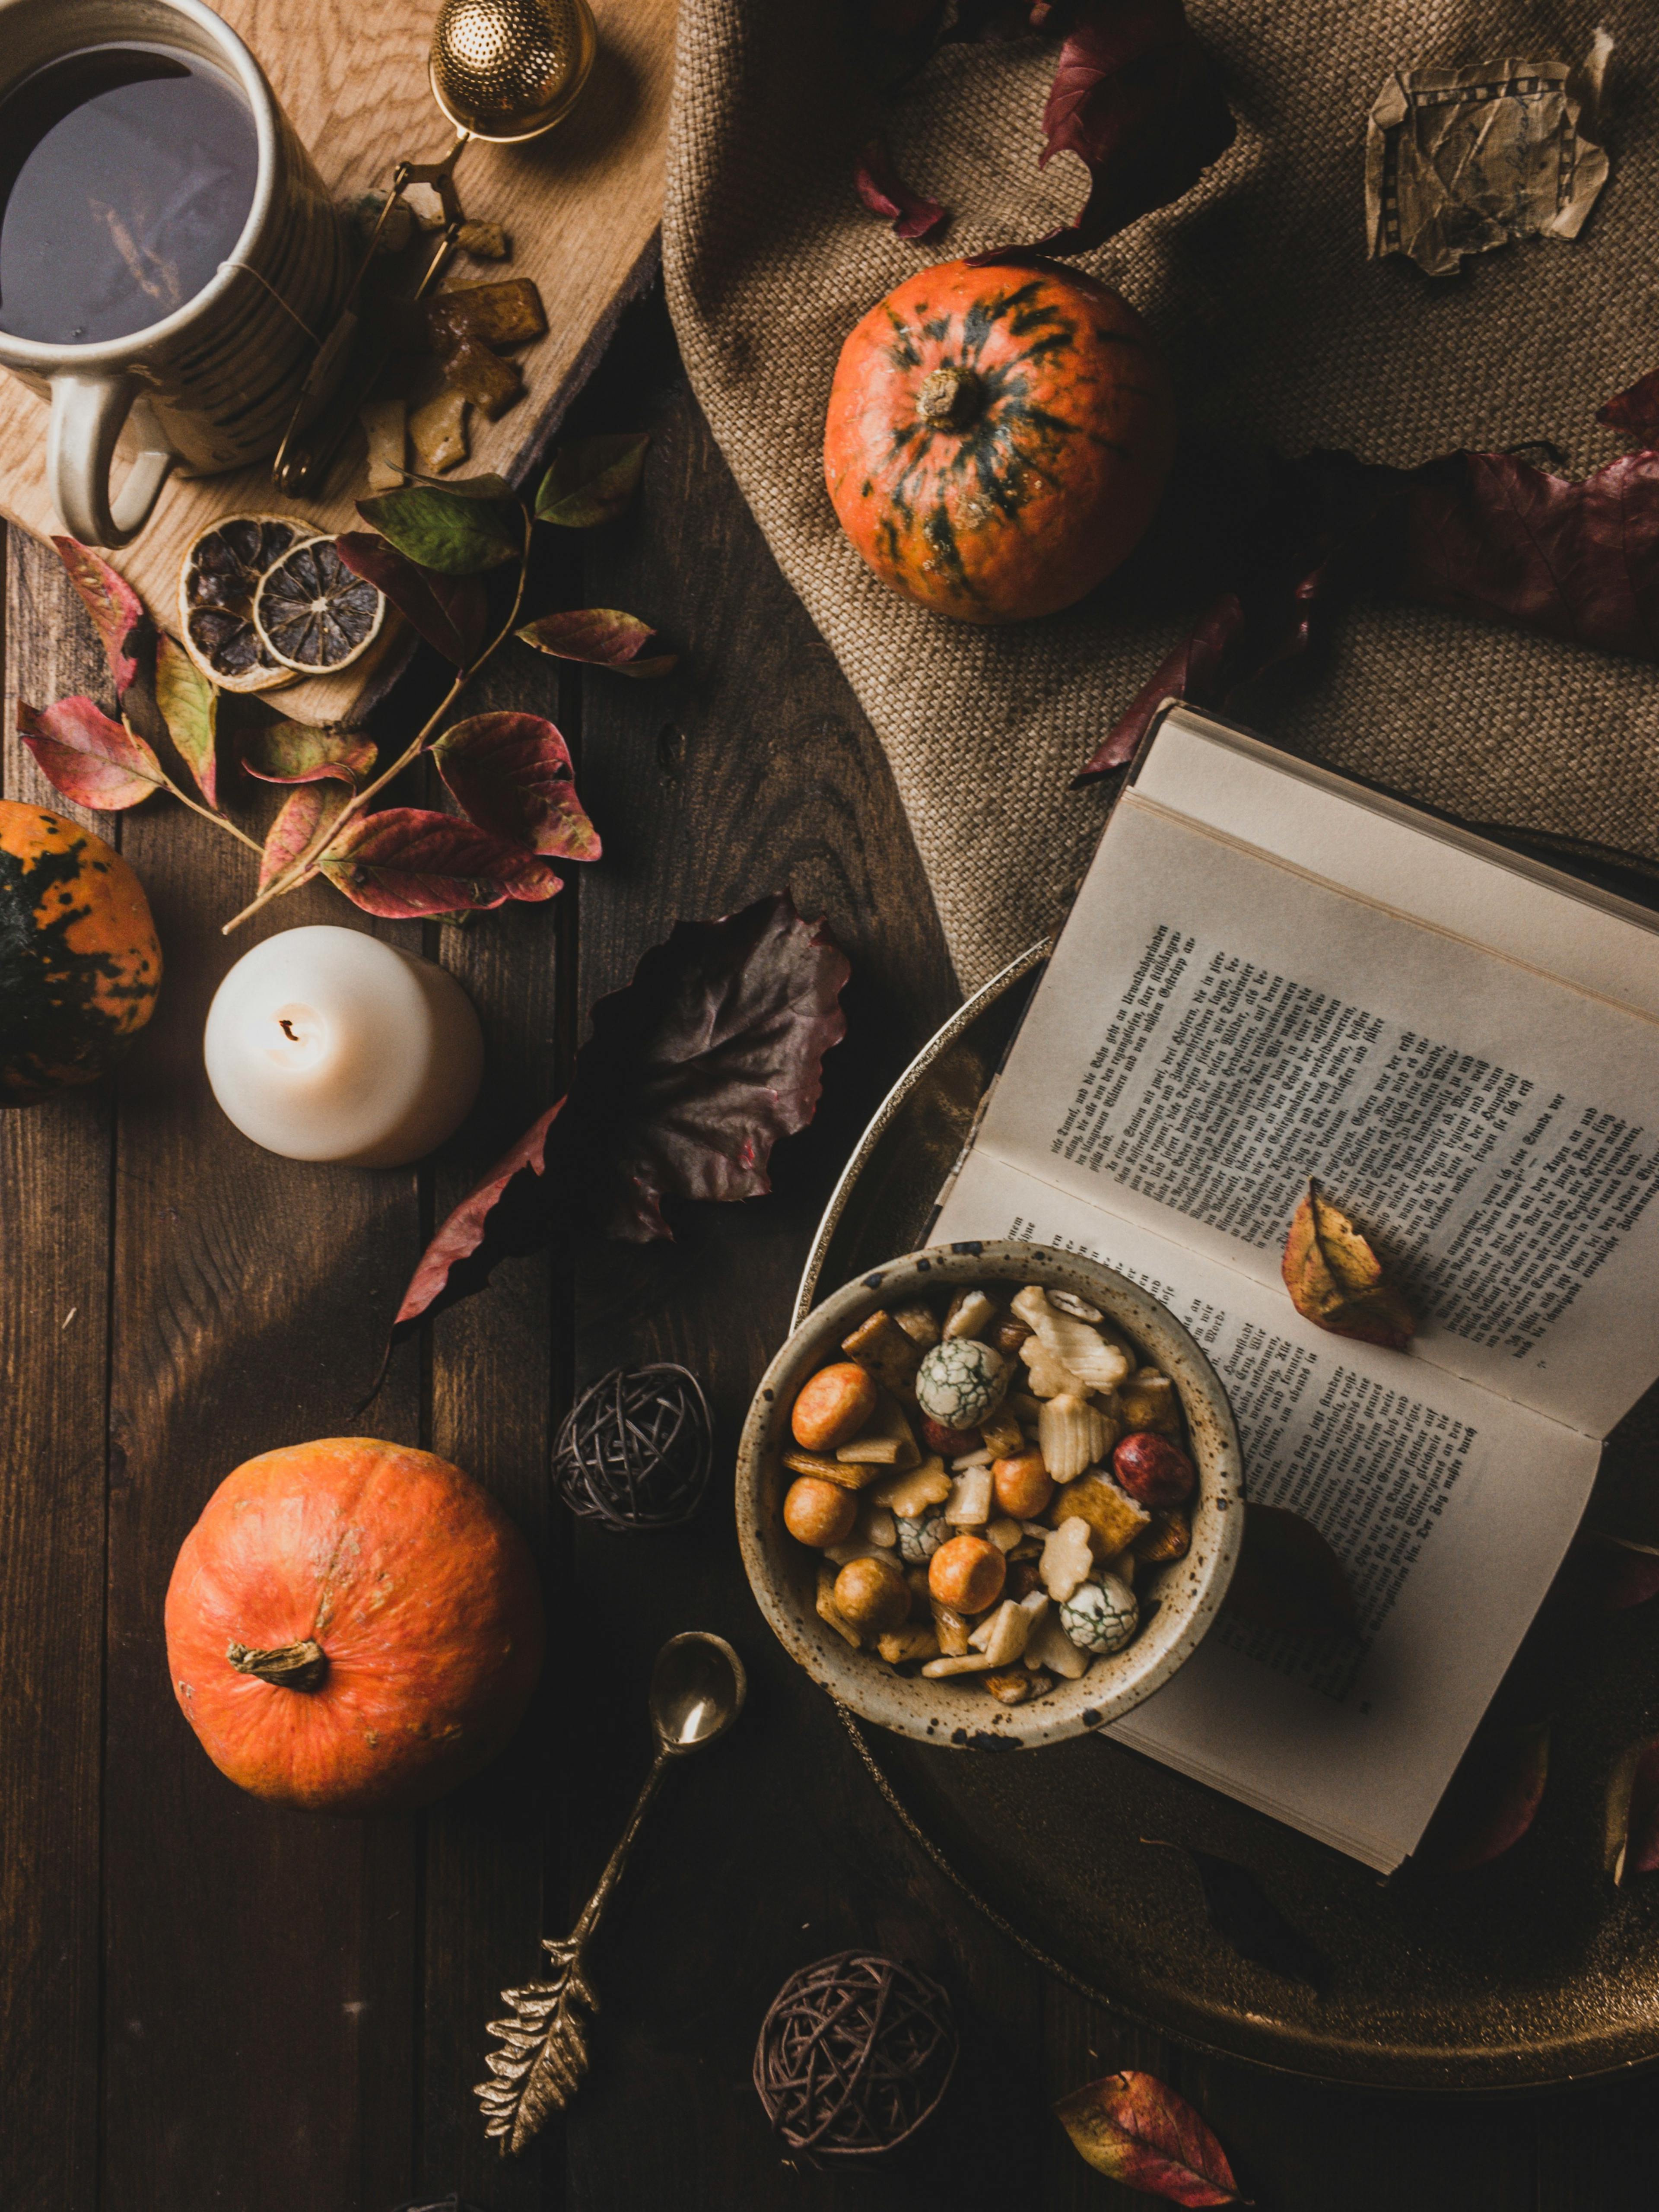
(219, 576)
(313, 614)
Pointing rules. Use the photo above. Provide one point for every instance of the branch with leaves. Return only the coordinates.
(429, 552)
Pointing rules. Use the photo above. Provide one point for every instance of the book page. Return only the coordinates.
(1450, 1508)
(1216, 1026)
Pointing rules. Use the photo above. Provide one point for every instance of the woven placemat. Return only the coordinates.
(1278, 328)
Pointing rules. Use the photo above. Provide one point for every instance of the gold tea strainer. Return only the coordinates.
(500, 71)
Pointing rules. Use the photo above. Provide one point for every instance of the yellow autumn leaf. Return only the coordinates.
(1336, 1281)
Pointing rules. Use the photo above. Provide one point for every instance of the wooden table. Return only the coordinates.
(209, 2006)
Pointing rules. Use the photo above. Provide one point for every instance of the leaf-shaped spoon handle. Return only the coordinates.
(697, 1689)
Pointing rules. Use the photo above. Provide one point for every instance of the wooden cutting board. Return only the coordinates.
(582, 207)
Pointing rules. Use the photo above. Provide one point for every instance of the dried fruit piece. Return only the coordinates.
(1336, 1281)
(217, 578)
(437, 433)
(507, 312)
(484, 241)
(313, 614)
(385, 424)
(488, 381)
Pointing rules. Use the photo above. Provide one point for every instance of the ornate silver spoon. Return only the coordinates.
(697, 1688)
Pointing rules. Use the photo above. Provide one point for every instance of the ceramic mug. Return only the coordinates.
(213, 384)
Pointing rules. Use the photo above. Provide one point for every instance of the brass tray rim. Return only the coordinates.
(1016, 970)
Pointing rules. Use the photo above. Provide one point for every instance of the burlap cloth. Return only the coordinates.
(1277, 328)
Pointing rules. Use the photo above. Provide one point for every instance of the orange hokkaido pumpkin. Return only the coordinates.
(998, 438)
(352, 1625)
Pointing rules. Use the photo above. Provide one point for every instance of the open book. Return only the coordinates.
(1270, 973)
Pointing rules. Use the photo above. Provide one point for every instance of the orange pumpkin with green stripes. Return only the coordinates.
(79, 962)
(998, 438)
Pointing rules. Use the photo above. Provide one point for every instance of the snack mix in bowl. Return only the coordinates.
(993, 1487)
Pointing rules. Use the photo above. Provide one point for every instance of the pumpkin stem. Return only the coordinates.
(949, 398)
(292, 1667)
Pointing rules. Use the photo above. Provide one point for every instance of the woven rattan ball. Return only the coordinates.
(634, 1451)
(854, 2054)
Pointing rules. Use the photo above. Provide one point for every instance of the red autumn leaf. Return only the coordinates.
(1136, 99)
(513, 774)
(603, 636)
(299, 819)
(405, 862)
(450, 612)
(714, 1052)
(1633, 1813)
(1136, 2129)
(1198, 670)
(507, 1216)
(1288, 1579)
(1635, 410)
(87, 757)
(885, 192)
(117, 612)
(1492, 1799)
(1630, 1574)
(295, 752)
(189, 705)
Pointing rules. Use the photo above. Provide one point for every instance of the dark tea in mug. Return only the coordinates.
(126, 175)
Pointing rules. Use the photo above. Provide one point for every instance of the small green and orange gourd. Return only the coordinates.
(998, 438)
(79, 962)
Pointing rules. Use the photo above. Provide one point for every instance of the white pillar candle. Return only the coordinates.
(327, 1044)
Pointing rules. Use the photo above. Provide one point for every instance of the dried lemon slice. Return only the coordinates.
(312, 614)
(219, 575)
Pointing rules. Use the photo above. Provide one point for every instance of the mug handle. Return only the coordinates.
(87, 414)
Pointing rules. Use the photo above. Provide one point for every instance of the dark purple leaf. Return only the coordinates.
(405, 862)
(1633, 1813)
(692, 1073)
(1492, 1799)
(299, 819)
(604, 637)
(714, 1052)
(1636, 410)
(1136, 99)
(885, 192)
(1241, 1911)
(1288, 1580)
(513, 774)
(295, 752)
(87, 757)
(1491, 535)
(117, 612)
(1200, 670)
(450, 612)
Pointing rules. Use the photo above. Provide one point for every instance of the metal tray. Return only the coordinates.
(1531, 1972)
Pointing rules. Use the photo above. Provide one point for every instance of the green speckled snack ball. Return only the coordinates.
(960, 1382)
(1101, 1617)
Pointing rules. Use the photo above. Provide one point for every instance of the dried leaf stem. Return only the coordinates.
(327, 833)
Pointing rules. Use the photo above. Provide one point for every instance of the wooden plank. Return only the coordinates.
(752, 769)
(260, 1966)
(54, 1321)
(582, 207)
(494, 1858)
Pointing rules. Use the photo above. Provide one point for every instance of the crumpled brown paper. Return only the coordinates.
(1458, 161)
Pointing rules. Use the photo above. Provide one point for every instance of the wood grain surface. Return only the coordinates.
(582, 207)
(209, 2005)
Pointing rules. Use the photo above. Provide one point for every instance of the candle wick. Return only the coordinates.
(287, 1029)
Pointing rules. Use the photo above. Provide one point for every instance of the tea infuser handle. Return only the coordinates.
(87, 416)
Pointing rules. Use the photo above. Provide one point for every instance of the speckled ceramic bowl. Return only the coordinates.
(783, 1573)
